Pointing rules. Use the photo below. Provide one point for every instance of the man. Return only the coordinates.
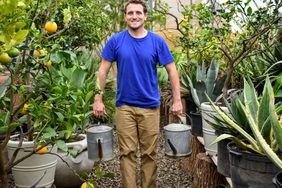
(137, 52)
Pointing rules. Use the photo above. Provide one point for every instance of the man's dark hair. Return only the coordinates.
(136, 2)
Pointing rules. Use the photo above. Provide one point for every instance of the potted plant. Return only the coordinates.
(29, 51)
(277, 180)
(66, 113)
(256, 134)
(207, 81)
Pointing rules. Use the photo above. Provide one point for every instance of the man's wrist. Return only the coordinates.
(99, 92)
(98, 97)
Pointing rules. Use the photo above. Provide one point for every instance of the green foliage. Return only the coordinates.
(255, 122)
(13, 16)
(206, 82)
(90, 23)
(63, 104)
(233, 32)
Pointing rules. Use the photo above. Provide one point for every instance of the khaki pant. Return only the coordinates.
(138, 125)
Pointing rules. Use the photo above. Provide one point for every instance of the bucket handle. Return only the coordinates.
(186, 115)
(174, 151)
(100, 149)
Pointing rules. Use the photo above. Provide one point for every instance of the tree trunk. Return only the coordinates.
(3, 171)
(188, 163)
(206, 174)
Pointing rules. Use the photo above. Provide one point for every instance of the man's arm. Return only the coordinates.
(177, 108)
(98, 106)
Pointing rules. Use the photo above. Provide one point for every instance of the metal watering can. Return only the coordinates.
(177, 139)
(100, 142)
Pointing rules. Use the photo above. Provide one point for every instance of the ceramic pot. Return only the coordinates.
(65, 177)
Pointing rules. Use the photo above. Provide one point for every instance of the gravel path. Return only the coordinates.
(170, 174)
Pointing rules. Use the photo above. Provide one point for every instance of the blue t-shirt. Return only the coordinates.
(137, 58)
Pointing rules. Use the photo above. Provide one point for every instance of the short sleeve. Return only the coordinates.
(108, 52)
(164, 54)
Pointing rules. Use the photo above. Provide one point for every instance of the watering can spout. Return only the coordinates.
(174, 151)
(100, 149)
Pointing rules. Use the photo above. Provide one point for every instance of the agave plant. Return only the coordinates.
(206, 82)
(255, 121)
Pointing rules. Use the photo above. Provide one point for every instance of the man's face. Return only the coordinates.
(135, 16)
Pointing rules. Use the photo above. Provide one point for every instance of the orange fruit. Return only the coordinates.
(5, 59)
(37, 53)
(49, 64)
(42, 150)
(51, 27)
(25, 109)
(84, 185)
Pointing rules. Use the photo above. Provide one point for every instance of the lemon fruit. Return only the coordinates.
(49, 64)
(84, 185)
(51, 27)
(37, 53)
(43, 52)
(5, 59)
(42, 150)
(25, 109)
(13, 52)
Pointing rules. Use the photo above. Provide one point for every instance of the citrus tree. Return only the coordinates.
(48, 85)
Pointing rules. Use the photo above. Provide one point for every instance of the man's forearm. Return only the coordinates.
(101, 80)
(174, 82)
(175, 87)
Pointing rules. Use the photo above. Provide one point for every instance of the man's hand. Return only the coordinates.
(177, 108)
(98, 106)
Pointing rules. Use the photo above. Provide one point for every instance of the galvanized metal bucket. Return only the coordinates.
(100, 143)
(177, 139)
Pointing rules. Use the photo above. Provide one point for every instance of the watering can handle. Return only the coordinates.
(186, 115)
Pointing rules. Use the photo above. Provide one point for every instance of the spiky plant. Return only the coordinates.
(255, 121)
(206, 82)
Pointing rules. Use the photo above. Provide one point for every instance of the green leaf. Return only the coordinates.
(73, 152)
(249, 11)
(264, 109)
(23, 119)
(3, 129)
(98, 173)
(61, 145)
(193, 92)
(211, 77)
(60, 116)
(89, 96)
(222, 137)
(15, 125)
(20, 36)
(250, 98)
(36, 123)
(78, 77)
(50, 131)
(277, 129)
(109, 175)
(20, 25)
(3, 87)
